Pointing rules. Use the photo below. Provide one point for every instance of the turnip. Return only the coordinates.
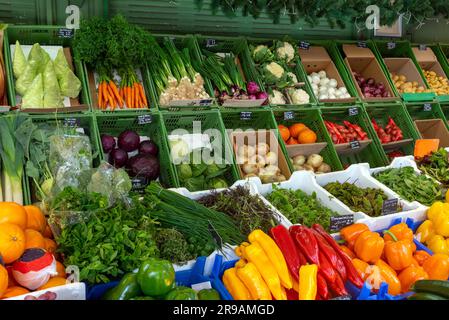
(315, 160)
(299, 160)
(324, 168)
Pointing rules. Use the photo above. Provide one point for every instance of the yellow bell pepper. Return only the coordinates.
(241, 263)
(274, 254)
(425, 231)
(235, 286)
(255, 254)
(308, 282)
(239, 250)
(441, 223)
(437, 244)
(435, 209)
(252, 279)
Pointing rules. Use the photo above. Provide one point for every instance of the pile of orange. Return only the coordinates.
(297, 133)
(21, 228)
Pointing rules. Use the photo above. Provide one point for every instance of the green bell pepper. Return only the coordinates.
(156, 277)
(126, 289)
(208, 294)
(182, 293)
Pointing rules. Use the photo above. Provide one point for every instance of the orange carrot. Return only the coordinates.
(128, 101)
(136, 94)
(142, 95)
(100, 97)
(115, 92)
(111, 93)
(132, 96)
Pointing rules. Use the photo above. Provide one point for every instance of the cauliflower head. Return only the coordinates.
(292, 77)
(276, 97)
(299, 96)
(286, 52)
(274, 73)
(262, 53)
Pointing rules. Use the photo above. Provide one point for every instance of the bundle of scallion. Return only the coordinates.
(192, 219)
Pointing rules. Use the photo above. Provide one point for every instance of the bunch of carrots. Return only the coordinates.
(131, 95)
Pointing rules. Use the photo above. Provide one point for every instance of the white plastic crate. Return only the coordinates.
(71, 291)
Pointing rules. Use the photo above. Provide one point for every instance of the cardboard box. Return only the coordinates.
(428, 61)
(316, 59)
(434, 129)
(363, 61)
(252, 138)
(405, 67)
(305, 149)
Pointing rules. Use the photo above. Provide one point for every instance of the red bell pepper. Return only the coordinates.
(326, 268)
(292, 294)
(322, 288)
(338, 287)
(351, 272)
(288, 248)
(375, 125)
(306, 243)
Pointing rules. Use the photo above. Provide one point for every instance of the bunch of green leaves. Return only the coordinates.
(109, 244)
(366, 200)
(173, 246)
(299, 207)
(410, 185)
(72, 199)
(436, 165)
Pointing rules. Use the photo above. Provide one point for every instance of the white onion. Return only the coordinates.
(271, 158)
(322, 74)
(314, 74)
(323, 89)
(316, 79)
(332, 96)
(309, 78)
(314, 86)
(331, 91)
(324, 81)
(333, 83)
(343, 90)
(323, 96)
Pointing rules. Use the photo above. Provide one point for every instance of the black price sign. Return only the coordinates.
(353, 111)
(211, 43)
(139, 184)
(65, 33)
(390, 206)
(339, 222)
(304, 45)
(391, 45)
(362, 44)
(427, 107)
(205, 102)
(246, 115)
(289, 115)
(71, 122)
(144, 119)
(354, 144)
(422, 47)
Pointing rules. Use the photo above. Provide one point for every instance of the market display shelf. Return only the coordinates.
(430, 121)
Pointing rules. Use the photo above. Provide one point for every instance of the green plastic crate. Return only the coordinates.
(85, 121)
(402, 49)
(373, 152)
(44, 35)
(424, 111)
(147, 124)
(209, 120)
(381, 114)
(312, 119)
(445, 109)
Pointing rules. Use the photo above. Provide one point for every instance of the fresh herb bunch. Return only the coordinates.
(367, 200)
(173, 246)
(410, 185)
(436, 165)
(109, 244)
(299, 207)
(248, 211)
(72, 199)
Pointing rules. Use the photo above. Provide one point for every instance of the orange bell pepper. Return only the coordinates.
(369, 246)
(352, 232)
(401, 232)
(398, 253)
(421, 256)
(437, 266)
(415, 262)
(390, 277)
(348, 251)
(361, 267)
(410, 275)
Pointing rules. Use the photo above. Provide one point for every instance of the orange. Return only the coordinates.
(296, 129)
(53, 282)
(60, 269)
(292, 141)
(34, 239)
(12, 242)
(14, 292)
(307, 136)
(50, 245)
(35, 219)
(47, 233)
(285, 133)
(13, 213)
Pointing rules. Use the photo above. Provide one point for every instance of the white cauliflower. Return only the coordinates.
(286, 52)
(276, 97)
(273, 72)
(299, 96)
(293, 78)
(262, 53)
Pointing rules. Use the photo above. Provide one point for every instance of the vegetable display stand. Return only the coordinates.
(317, 56)
(51, 38)
(206, 123)
(366, 71)
(148, 125)
(230, 72)
(278, 65)
(420, 112)
(393, 144)
(403, 71)
(313, 120)
(182, 56)
(367, 150)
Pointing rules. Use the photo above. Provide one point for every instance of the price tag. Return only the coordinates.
(422, 47)
(71, 122)
(390, 206)
(345, 297)
(304, 45)
(354, 144)
(427, 107)
(353, 111)
(391, 45)
(362, 44)
(139, 184)
(211, 43)
(205, 102)
(246, 115)
(65, 33)
(339, 222)
(289, 115)
(202, 285)
(144, 119)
